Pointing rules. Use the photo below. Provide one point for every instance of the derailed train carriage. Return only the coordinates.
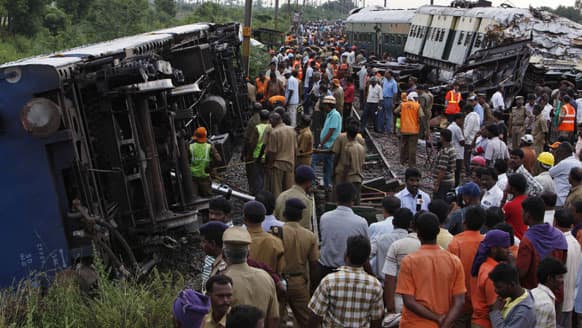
(95, 144)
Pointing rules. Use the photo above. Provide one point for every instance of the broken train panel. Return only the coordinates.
(95, 141)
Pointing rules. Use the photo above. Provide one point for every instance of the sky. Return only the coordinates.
(515, 3)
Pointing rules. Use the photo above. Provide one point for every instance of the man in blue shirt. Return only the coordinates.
(389, 91)
(332, 128)
(477, 109)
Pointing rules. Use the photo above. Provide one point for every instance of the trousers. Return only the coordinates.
(369, 112)
(202, 186)
(516, 134)
(408, 149)
(278, 180)
(256, 177)
(292, 110)
(327, 159)
(384, 120)
(298, 298)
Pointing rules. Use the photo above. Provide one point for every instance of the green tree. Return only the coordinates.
(77, 9)
(571, 13)
(109, 19)
(26, 16)
(55, 19)
(167, 7)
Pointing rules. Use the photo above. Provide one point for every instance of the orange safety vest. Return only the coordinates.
(568, 123)
(261, 86)
(409, 117)
(297, 66)
(452, 103)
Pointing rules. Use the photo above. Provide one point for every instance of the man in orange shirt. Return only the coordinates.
(465, 245)
(452, 100)
(261, 84)
(492, 250)
(431, 281)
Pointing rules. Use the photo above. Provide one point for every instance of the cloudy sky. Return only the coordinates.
(515, 3)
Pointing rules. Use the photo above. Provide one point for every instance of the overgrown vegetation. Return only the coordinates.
(113, 303)
(45, 26)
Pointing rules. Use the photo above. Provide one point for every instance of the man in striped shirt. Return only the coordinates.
(349, 297)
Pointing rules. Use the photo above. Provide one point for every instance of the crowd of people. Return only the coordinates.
(497, 242)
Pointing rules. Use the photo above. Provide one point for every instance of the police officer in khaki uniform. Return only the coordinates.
(349, 159)
(301, 256)
(304, 141)
(304, 176)
(280, 147)
(251, 286)
(517, 120)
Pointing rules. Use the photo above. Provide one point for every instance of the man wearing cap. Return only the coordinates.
(331, 130)
(292, 95)
(529, 153)
(301, 256)
(546, 161)
(304, 176)
(264, 247)
(389, 91)
(251, 286)
(202, 156)
(189, 309)
(477, 109)
(560, 172)
(214, 263)
(280, 147)
(471, 195)
(255, 154)
(494, 248)
(410, 116)
(373, 97)
(517, 120)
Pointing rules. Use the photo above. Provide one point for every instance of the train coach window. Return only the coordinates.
(434, 33)
(442, 35)
(469, 35)
(461, 35)
(478, 40)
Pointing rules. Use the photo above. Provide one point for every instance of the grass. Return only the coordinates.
(112, 304)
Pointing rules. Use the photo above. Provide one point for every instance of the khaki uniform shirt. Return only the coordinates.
(519, 116)
(300, 247)
(208, 321)
(304, 147)
(296, 192)
(254, 287)
(540, 127)
(574, 195)
(426, 102)
(281, 142)
(266, 248)
(252, 91)
(351, 159)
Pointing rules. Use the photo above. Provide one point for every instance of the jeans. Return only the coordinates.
(327, 159)
(385, 123)
(369, 110)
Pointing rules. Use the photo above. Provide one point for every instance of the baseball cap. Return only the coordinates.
(470, 189)
(213, 226)
(479, 160)
(236, 235)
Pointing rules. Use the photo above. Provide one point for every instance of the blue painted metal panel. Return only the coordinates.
(32, 237)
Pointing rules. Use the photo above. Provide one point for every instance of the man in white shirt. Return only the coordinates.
(493, 195)
(550, 276)
(497, 100)
(458, 142)
(500, 167)
(565, 161)
(389, 205)
(411, 196)
(308, 76)
(372, 102)
(292, 95)
(380, 246)
(471, 126)
(563, 221)
(496, 148)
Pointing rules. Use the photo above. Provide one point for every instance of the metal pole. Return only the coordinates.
(246, 50)
(387, 0)
(276, 12)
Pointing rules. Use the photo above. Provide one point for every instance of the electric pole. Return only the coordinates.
(246, 51)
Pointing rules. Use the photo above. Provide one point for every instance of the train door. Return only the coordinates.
(450, 39)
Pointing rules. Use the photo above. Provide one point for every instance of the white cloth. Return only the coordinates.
(396, 253)
(308, 75)
(362, 77)
(549, 217)
(471, 126)
(544, 302)
(374, 94)
(502, 181)
(408, 200)
(492, 197)
(292, 110)
(457, 139)
(573, 259)
(292, 85)
(560, 173)
(497, 101)
(546, 112)
(496, 149)
(380, 247)
(579, 111)
(377, 229)
(546, 181)
(270, 221)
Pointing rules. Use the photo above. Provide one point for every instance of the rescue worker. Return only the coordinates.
(349, 159)
(202, 156)
(304, 141)
(566, 119)
(410, 116)
(452, 100)
(304, 176)
(251, 286)
(280, 148)
(301, 258)
(256, 171)
(261, 84)
(426, 100)
(517, 120)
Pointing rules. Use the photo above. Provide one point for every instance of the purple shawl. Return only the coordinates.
(493, 238)
(545, 239)
(190, 307)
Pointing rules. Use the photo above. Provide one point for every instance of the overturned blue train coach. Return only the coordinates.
(95, 145)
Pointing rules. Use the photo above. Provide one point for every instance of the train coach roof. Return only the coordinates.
(106, 48)
(382, 15)
(503, 15)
